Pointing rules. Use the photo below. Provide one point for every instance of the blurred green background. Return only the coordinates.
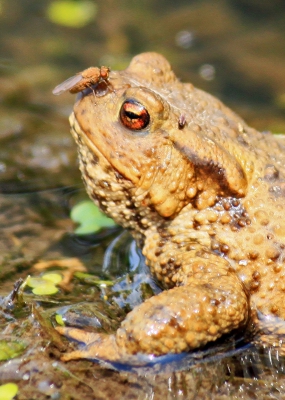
(234, 49)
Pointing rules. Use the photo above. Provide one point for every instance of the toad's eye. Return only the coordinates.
(134, 115)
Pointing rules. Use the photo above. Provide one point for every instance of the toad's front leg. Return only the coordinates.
(176, 320)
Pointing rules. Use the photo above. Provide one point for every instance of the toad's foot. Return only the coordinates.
(174, 321)
(98, 346)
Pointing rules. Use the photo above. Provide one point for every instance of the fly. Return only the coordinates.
(83, 80)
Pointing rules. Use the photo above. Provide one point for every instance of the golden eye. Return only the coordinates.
(134, 115)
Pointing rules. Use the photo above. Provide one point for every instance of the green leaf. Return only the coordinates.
(52, 277)
(44, 285)
(71, 13)
(59, 319)
(35, 282)
(45, 289)
(89, 218)
(8, 391)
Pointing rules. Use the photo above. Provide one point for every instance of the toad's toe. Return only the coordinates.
(97, 346)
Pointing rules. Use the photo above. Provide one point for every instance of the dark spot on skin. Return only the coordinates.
(95, 160)
(148, 152)
(118, 176)
(225, 248)
(253, 255)
(215, 245)
(103, 184)
(135, 217)
(271, 173)
(241, 223)
(256, 275)
(239, 216)
(214, 302)
(254, 285)
(141, 226)
(108, 169)
(226, 205)
(181, 121)
(222, 298)
(96, 197)
(275, 310)
(196, 224)
(86, 175)
(277, 268)
(163, 233)
(79, 139)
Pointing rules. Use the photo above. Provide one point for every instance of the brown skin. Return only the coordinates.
(202, 194)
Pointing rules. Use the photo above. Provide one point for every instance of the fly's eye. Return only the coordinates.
(134, 115)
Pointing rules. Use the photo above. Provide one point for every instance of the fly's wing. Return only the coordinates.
(67, 85)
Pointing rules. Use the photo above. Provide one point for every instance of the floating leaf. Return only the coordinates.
(85, 229)
(45, 289)
(8, 391)
(52, 277)
(89, 218)
(59, 319)
(44, 285)
(71, 13)
(35, 282)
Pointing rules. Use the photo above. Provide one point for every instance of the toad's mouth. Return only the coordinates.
(83, 139)
(87, 149)
(85, 143)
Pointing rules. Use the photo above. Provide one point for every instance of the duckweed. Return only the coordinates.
(46, 284)
(89, 218)
(8, 391)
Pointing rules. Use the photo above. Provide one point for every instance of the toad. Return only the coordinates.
(203, 195)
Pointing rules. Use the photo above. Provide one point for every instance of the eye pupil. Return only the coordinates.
(134, 115)
(131, 115)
